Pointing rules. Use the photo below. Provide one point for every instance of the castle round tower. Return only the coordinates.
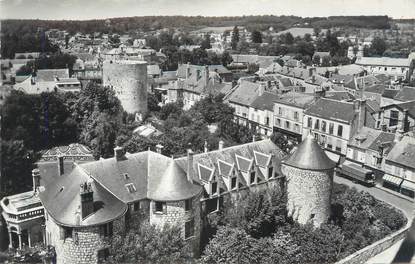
(129, 81)
(309, 175)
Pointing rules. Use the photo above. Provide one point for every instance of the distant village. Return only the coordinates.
(359, 115)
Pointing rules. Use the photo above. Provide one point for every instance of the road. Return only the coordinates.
(405, 248)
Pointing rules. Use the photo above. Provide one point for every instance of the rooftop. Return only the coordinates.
(383, 61)
(332, 110)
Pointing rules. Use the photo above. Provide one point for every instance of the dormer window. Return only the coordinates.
(131, 188)
(233, 182)
(270, 172)
(214, 187)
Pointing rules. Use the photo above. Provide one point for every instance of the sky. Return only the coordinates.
(90, 9)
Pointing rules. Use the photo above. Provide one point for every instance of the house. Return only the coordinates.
(194, 82)
(288, 113)
(399, 166)
(320, 55)
(24, 213)
(398, 115)
(333, 123)
(396, 67)
(49, 80)
(241, 97)
(261, 113)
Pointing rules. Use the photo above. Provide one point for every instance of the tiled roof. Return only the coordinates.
(332, 110)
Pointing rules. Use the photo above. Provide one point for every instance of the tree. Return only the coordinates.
(288, 38)
(317, 31)
(256, 36)
(206, 42)
(235, 38)
(147, 244)
(378, 46)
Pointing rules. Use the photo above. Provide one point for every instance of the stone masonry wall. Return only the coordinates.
(129, 81)
(176, 215)
(85, 249)
(308, 193)
(363, 255)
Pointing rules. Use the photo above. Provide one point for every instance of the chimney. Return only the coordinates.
(159, 148)
(221, 143)
(405, 121)
(118, 153)
(261, 89)
(36, 179)
(188, 70)
(360, 109)
(87, 199)
(206, 75)
(190, 165)
(206, 147)
(61, 169)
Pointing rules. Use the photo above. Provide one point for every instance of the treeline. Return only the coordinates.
(145, 23)
(24, 39)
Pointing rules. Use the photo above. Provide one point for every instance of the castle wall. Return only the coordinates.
(129, 81)
(82, 246)
(309, 194)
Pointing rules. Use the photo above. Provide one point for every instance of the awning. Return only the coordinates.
(354, 170)
(392, 179)
(408, 185)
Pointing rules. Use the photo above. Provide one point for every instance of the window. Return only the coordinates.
(329, 144)
(103, 255)
(323, 126)
(339, 146)
(296, 115)
(252, 179)
(287, 124)
(317, 124)
(280, 110)
(278, 121)
(233, 183)
(331, 128)
(136, 206)
(394, 116)
(270, 172)
(66, 232)
(310, 122)
(107, 230)
(160, 207)
(212, 205)
(267, 121)
(340, 131)
(188, 205)
(189, 228)
(296, 127)
(214, 187)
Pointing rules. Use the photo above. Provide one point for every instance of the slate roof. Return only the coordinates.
(309, 156)
(390, 93)
(339, 95)
(224, 168)
(364, 138)
(403, 152)
(229, 155)
(406, 93)
(410, 106)
(376, 88)
(332, 110)
(61, 199)
(384, 139)
(244, 93)
(296, 99)
(265, 101)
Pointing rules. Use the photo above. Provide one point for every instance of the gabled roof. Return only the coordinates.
(244, 93)
(332, 110)
(265, 101)
(408, 106)
(205, 173)
(403, 152)
(310, 156)
(390, 93)
(243, 163)
(262, 159)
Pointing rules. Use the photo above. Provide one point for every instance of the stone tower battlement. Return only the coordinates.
(129, 80)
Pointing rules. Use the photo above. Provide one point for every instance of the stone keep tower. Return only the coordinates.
(129, 81)
(309, 174)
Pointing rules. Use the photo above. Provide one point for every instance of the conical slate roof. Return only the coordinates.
(174, 185)
(310, 156)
